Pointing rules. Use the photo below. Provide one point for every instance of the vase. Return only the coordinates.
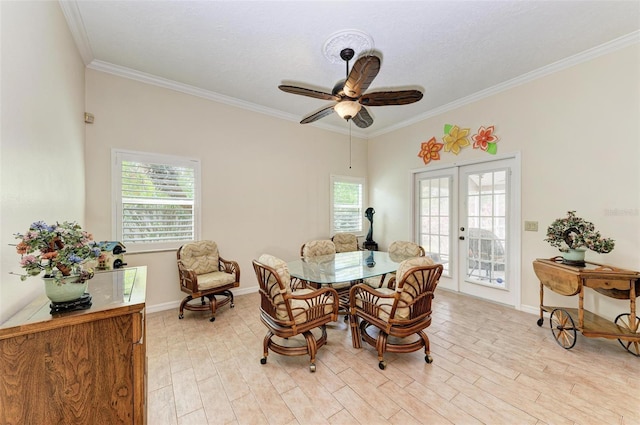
(574, 257)
(67, 288)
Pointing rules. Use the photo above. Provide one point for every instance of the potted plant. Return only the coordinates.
(61, 252)
(574, 235)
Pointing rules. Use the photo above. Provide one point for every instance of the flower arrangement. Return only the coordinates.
(58, 250)
(572, 232)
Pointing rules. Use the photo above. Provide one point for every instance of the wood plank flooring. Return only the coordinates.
(492, 365)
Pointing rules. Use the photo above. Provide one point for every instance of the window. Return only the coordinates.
(434, 210)
(156, 200)
(347, 200)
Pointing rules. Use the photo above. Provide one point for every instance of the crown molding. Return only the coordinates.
(78, 32)
(587, 55)
(143, 77)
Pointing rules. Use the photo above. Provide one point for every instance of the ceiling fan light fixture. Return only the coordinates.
(347, 109)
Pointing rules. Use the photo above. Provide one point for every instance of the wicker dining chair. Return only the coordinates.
(398, 251)
(287, 313)
(321, 247)
(205, 274)
(397, 313)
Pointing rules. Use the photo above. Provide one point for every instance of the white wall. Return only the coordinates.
(265, 180)
(578, 134)
(42, 136)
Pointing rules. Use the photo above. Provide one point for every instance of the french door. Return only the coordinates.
(467, 218)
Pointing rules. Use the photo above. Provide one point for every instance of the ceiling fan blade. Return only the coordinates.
(382, 98)
(362, 118)
(317, 115)
(362, 74)
(308, 92)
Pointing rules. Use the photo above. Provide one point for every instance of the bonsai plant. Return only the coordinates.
(574, 235)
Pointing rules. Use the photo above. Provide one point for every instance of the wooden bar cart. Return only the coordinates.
(570, 280)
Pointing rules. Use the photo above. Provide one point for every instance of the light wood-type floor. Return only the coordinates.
(492, 365)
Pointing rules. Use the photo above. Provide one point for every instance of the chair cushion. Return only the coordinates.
(280, 267)
(202, 257)
(401, 250)
(215, 280)
(319, 247)
(345, 242)
(406, 265)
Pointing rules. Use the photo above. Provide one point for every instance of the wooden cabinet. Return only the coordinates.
(80, 367)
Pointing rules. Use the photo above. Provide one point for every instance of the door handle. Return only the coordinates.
(462, 229)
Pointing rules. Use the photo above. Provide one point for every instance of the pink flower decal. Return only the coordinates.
(486, 140)
(430, 150)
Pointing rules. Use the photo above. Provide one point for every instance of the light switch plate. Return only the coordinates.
(530, 226)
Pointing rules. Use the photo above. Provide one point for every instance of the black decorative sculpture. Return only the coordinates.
(369, 243)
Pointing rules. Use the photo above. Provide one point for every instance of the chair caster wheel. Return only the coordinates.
(232, 305)
(213, 319)
(180, 316)
(312, 367)
(382, 365)
(428, 359)
(263, 360)
(540, 321)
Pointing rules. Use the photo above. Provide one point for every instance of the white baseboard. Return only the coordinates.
(175, 304)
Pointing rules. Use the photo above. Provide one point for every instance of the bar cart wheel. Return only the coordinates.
(563, 328)
(623, 320)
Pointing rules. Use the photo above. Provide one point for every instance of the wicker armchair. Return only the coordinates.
(287, 313)
(345, 242)
(397, 313)
(204, 274)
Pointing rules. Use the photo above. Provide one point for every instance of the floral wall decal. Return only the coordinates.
(455, 138)
(486, 140)
(430, 150)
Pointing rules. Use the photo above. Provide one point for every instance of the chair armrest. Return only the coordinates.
(370, 294)
(229, 266)
(188, 278)
(317, 297)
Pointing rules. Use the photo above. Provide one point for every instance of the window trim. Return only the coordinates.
(117, 156)
(346, 179)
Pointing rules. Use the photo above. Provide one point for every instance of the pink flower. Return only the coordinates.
(28, 259)
(484, 137)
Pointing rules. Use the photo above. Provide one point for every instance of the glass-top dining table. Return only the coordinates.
(342, 267)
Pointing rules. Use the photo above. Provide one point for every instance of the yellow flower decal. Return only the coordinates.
(456, 139)
(430, 150)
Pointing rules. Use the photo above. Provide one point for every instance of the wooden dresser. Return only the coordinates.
(79, 367)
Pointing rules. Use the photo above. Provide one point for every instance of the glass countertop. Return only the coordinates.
(343, 266)
(109, 290)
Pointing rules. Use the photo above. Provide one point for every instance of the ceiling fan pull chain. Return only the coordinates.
(350, 150)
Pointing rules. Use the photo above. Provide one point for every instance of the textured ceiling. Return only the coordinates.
(238, 52)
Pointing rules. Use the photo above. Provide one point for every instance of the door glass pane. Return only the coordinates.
(487, 221)
(434, 218)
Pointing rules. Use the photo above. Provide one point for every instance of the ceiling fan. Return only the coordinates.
(350, 96)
